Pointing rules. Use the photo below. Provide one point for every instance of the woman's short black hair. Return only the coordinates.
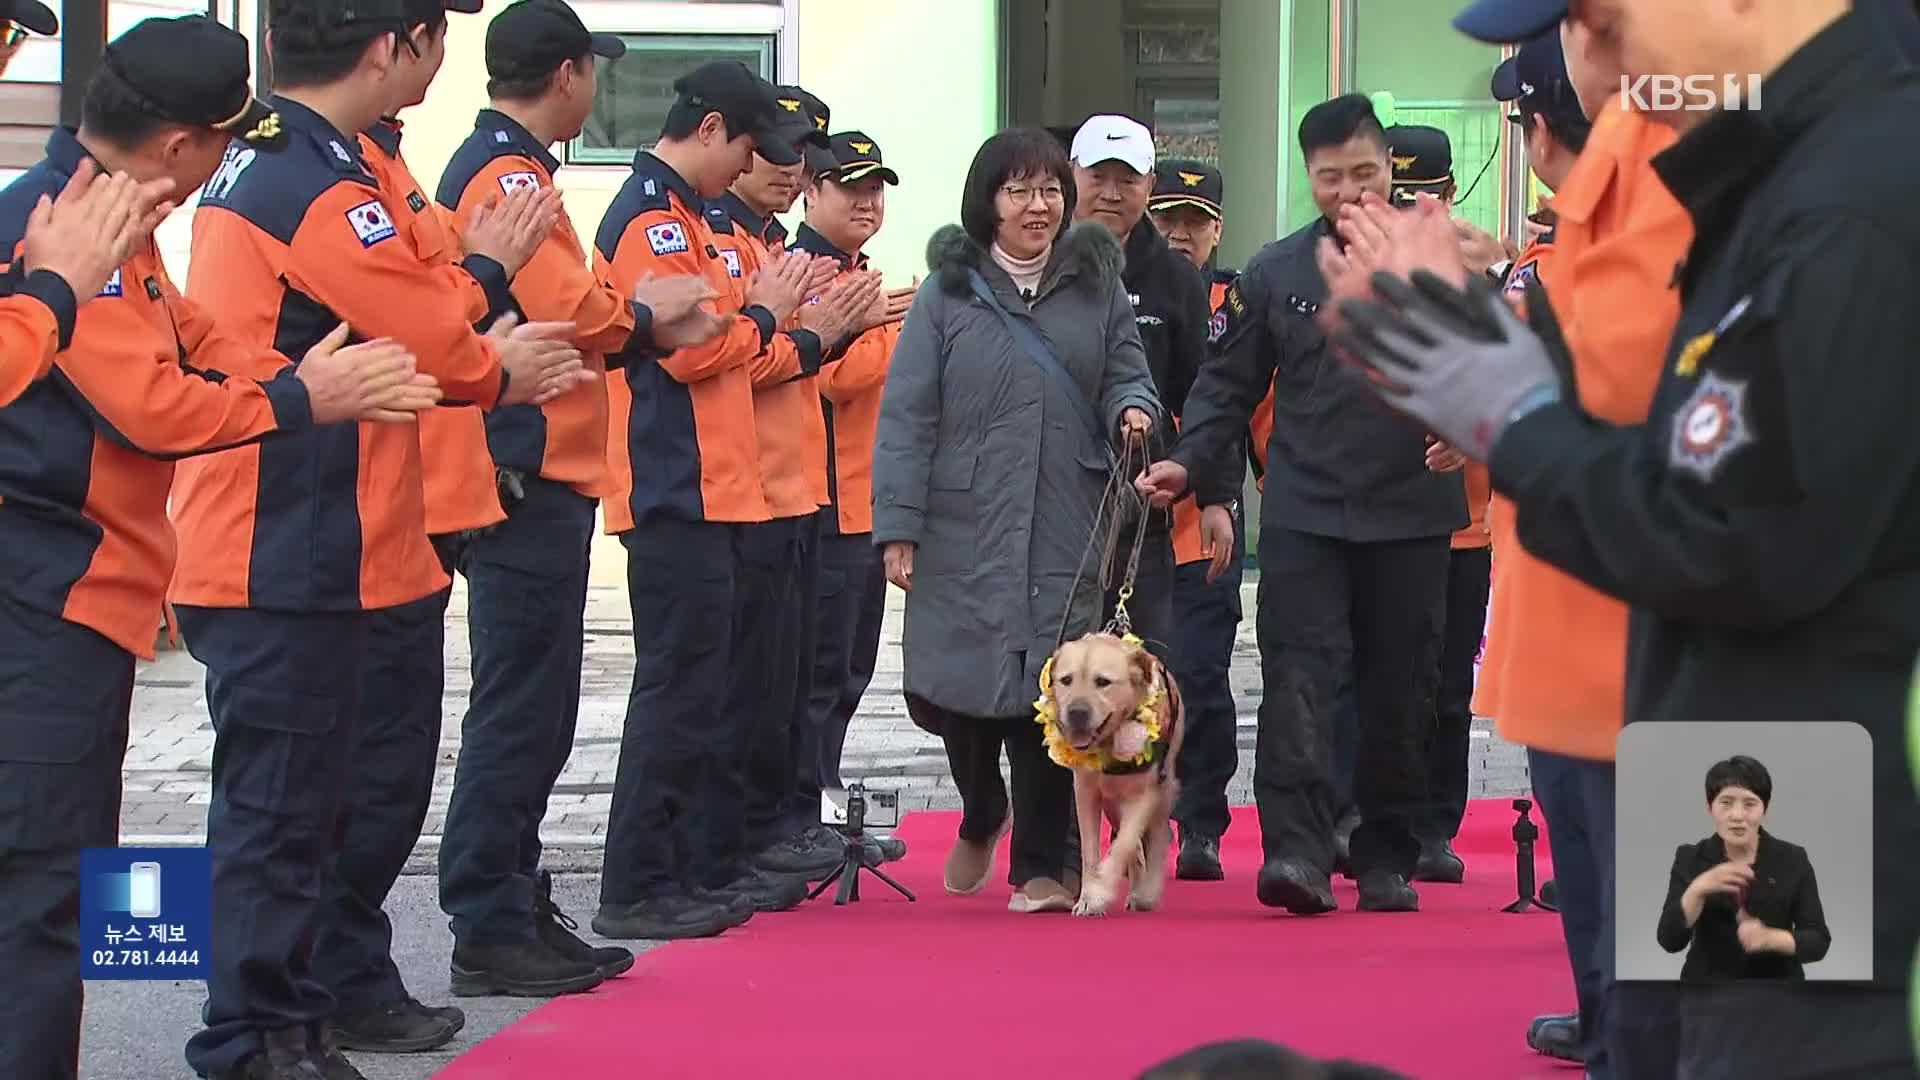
(1017, 152)
(1740, 771)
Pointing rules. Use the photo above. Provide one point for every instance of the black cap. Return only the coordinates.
(804, 119)
(1422, 160)
(534, 37)
(856, 157)
(192, 70)
(34, 16)
(745, 101)
(466, 7)
(1184, 182)
(1535, 79)
(1509, 22)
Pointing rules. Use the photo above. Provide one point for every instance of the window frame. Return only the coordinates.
(773, 24)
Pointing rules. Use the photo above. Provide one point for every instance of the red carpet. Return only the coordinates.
(958, 987)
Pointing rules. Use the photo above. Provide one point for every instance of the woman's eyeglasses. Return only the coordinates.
(1021, 194)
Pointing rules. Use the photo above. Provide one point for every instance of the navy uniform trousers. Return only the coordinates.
(850, 608)
(395, 750)
(784, 735)
(526, 625)
(65, 695)
(1206, 618)
(283, 689)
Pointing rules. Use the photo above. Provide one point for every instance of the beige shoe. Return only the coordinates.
(970, 863)
(1041, 894)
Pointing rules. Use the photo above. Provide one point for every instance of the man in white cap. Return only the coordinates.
(1113, 176)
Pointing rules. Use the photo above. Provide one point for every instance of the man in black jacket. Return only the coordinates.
(1113, 175)
(1762, 522)
(1354, 546)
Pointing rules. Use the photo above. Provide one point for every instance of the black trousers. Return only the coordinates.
(1576, 797)
(1794, 1031)
(1150, 607)
(850, 604)
(1207, 620)
(784, 736)
(283, 689)
(1044, 831)
(65, 695)
(526, 615)
(1368, 614)
(1448, 751)
(396, 749)
(681, 582)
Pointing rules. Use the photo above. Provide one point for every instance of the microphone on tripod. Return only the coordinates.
(1524, 834)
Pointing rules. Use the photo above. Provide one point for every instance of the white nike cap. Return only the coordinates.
(1114, 138)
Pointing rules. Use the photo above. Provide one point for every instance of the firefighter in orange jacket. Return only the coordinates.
(845, 206)
(287, 550)
(685, 458)
(84, 480)
(527, 575)
(760, 835)
(396, 743)
(1187, 206)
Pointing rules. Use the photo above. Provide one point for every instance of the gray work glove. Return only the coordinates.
(1460, 363)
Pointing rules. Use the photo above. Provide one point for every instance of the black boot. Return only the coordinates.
(555, 929)
(519, 969)
(767, 892)
(396, 1027)
(334, 1064)
(1384, 890)
(1199, 858)
(1557, 1037)
(807, 854)
(1548, 896)
(1440, 863)
(285, 1056)
(1294, 885)
(668, 917)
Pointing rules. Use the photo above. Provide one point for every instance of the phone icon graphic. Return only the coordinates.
(143, 895)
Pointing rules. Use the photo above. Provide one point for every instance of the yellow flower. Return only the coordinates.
(1063, 753)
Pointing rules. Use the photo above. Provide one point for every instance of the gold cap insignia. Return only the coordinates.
(1402, 164)
(1191, 179)
(861, 148)
(789, 104)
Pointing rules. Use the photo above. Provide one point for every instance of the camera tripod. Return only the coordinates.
(848, 872)
(1525, 832)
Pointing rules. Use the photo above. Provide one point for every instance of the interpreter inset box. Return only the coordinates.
(1744, 851)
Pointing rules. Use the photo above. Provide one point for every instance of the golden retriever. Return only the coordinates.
(1099, 683)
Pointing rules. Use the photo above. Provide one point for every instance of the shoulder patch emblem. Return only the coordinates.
(667, 238)
(732, 259)
(1216, 326)
(112, 287)
(1517, 281)
(502, 137)
(371, 223)
(514, 181)
(1233, 302)
(416, 202)
(1710, 426)
(340, 151)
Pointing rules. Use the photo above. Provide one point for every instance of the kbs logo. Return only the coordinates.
(1691, 93)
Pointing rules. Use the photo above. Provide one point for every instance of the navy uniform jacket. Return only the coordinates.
(1764, 523)
(1338, 464)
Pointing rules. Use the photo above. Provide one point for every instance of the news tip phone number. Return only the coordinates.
(146, 957)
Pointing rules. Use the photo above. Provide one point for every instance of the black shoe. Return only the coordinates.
(767, 892)
(555, 929)
(285, 1056)
(1557, 1037)
(1343, 843)
(807, 854)
(519, 969)
(741, 907)
(672, 917)
(1384, 890)
(883, 849)
(396, 1027)
(1199, 858)
(1295, 886)
(1440, 863)
(334, 1065)
(1548, 897)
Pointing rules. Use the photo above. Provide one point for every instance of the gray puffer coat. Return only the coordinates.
(985, 462)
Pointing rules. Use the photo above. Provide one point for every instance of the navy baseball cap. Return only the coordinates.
(1535, 79)
(30, 15)
(1509, 22)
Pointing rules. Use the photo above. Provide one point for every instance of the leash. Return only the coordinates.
(1118, 497)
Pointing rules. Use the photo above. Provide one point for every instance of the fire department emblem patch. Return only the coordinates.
(1710, 427)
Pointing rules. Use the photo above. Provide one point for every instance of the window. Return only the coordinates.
(634, 92)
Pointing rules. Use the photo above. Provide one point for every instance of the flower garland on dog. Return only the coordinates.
(1133, 744)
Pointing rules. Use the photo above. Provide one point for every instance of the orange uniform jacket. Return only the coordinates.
(1554, 674)
(850, 390)
(456, 472)
(286, 244)
(681, 439)
(86, 455)
(1186, 513)
(786, 399)
(1478, 533)
(36, 321)
(565, 440)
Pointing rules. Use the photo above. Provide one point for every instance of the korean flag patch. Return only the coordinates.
(112, 287)
(667, 238)
(371, 223)
(732, 259)
(514, 181)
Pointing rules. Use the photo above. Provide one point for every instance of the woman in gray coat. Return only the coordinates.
(998, 425)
